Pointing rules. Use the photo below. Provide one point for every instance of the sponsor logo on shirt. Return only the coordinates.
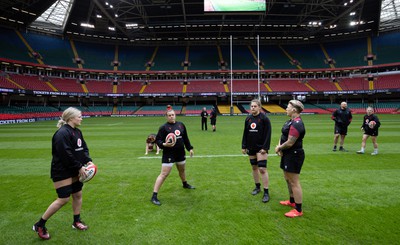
(253, 127)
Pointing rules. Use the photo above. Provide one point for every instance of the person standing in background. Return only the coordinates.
(213, 118)
(342, 118)
(204, 115)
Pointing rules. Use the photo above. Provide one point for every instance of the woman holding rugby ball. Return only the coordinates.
(370, 127)
(173, 151)
(70, 155)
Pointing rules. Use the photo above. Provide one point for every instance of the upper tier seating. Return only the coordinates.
(58, 52)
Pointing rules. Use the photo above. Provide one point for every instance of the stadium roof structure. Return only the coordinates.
(182, 21)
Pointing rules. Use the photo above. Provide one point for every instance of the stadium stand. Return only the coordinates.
(127, 110)
(354, 84)
(30, 82)
(322, 85)
(387, 107)
(95, 56)
(309, 56)
(164, 87)
(12, 47)
(273, 108)
(129, 87)
(287, 85)
(203, 58)
(242, 58)
(386, 48)
(94, 86)
(226, 109)
(54, 50)
(199, 86)
(67, 85)
(311, 108)
(273, 57)
(157, 110)
(197, 109)
(387, 82)
(134, 58)
(169, 58)
(348, 53)
(5, 82)
(247, 86)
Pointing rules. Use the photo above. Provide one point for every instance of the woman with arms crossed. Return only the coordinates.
(256, 142)
(290, 149)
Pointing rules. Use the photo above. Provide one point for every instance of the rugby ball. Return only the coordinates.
(371, 124)
(171, 138)
(90, 171)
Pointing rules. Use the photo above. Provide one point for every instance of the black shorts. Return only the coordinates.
(371, 132)
(213, 121)
(292, 161)
(178, 155)
(339, 129)
(252, 152)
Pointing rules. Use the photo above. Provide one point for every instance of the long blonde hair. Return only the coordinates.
(69, 113)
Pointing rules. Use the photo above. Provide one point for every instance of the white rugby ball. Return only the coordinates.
(372, 124)
(90, 171)
(171, 138)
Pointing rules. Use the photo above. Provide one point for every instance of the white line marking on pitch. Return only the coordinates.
(203, 156)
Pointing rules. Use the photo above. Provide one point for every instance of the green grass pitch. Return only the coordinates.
(348, 198)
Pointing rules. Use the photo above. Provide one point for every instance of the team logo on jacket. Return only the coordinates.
(177, 132)
(79, 142)
(253, 126)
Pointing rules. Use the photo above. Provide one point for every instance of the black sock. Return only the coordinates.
(298, 207)
(258, 185)
(184, 183)
(77, 217)
(265, 191)
(155, 194)
(291, 199)
(41, 222)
